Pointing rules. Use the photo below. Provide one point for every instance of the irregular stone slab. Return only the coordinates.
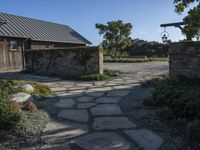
(21, 97)
(94, 94)
(77, 88)
(118, 93)
(84, 84)
(103, 89)
(77, 91)
(70, 95)
(77, 115)
(101, 141)
(106, 109)
(85, 105)
(108, 100)
(99, 83)
(124, 86)
(58, 89)
(84, 99)
(65, 103)
(112, 123)
(56, 131)
(145, 138)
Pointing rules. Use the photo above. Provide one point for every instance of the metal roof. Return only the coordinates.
(38, 30)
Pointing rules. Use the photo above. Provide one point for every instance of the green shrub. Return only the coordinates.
(134, 60)
(182, 97)
(149, 102)
(193, 131)
(41, 89)
(6, 88)
(93, 77)
(10, 115)
(165, 113)
(3, 95)
(111, 73)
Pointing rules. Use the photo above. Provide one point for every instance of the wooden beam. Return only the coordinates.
(177, 24)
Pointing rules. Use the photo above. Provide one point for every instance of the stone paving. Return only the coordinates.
(89, 116)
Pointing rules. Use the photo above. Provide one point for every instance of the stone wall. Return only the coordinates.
(184, 60)
(65, 61)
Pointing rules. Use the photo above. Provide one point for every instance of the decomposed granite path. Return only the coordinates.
(88, 115)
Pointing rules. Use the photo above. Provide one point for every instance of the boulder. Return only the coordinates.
(27, 88)
(21, 97)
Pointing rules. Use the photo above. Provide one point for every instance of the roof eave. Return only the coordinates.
(68, 42)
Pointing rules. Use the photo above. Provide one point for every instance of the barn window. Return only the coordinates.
(13, 45)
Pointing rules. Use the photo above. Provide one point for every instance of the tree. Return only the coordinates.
(116, 36)
(192, 28)
(182, 4)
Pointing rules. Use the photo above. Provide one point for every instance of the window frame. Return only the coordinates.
(11, 47)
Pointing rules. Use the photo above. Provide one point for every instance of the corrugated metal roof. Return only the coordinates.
(38, 30)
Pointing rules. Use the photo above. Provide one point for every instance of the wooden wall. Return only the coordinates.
(10, 60)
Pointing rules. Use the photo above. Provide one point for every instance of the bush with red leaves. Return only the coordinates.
(30, 106)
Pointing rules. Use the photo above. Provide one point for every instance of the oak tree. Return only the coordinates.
(116, 36)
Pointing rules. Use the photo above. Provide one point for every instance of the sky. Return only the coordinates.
(82, 15)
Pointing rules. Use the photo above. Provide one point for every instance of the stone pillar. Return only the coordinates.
(100, 61)
(184, 60)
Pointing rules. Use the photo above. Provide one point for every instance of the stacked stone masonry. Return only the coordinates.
(65, 61)
(184, 60)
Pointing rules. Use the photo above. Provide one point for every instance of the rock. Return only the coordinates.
(36, 97)
(94, 93)
(102, 89)
(145, 138)
(77, 115)
(58, 89)
(65, 103)
(85, 105)
(101, 141)
(84, 99)
(57, 131)
(118, 93)
(112, 123)
(21, 97)
(27, 88)
(108, 100)
(106, 109)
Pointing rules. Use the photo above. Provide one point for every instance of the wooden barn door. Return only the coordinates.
(10, 60)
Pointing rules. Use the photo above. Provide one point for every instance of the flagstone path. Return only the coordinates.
(87, 115)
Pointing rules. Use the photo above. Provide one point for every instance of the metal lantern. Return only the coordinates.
(164, 36)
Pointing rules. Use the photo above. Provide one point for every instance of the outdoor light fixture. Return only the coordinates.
(164, 36)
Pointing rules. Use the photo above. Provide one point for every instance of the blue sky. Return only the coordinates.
(145, 15)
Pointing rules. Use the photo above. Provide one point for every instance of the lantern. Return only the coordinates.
(164, 36)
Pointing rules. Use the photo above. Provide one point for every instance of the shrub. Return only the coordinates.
(93, 77)
(149, 102)
(30, 106)
(41, 90)
(111, 73)
(16, 106)
(10, 115)
(6, 88)
(3, 95)
(193, 131)
(181, 97)
(165, 113)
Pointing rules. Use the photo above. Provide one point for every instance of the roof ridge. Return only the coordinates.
(34, 19)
